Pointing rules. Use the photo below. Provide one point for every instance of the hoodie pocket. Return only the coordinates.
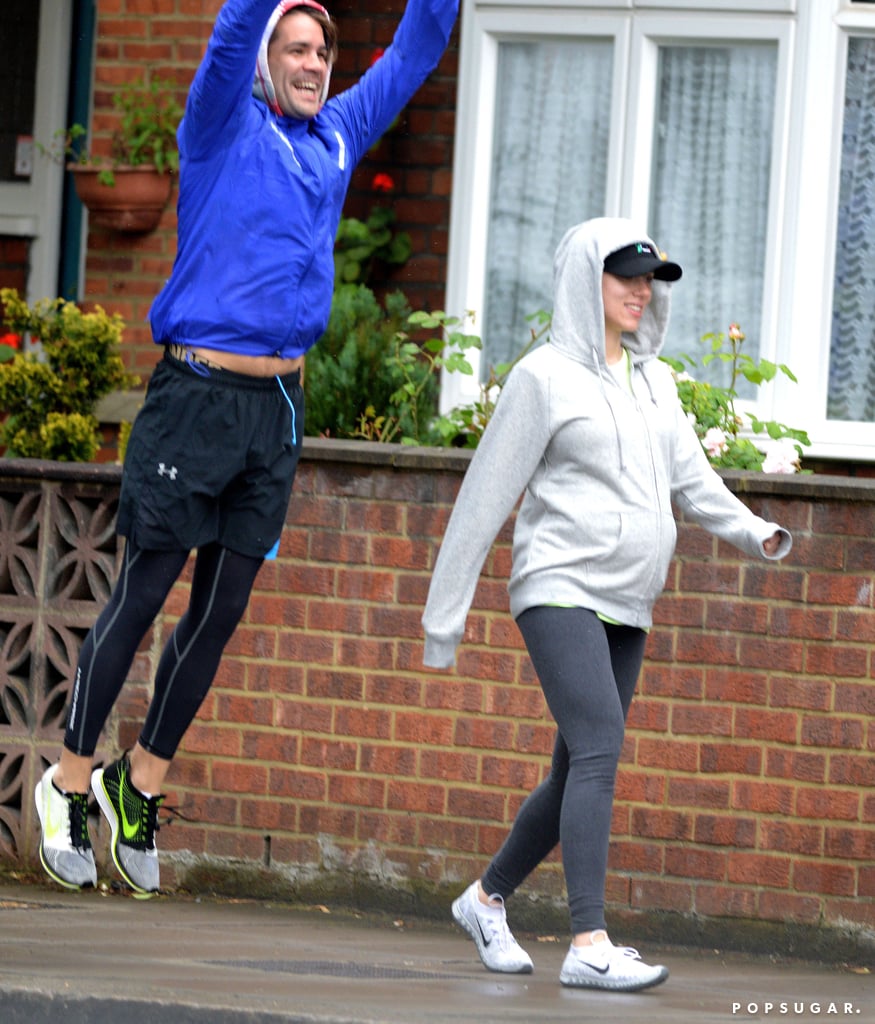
(637, 563)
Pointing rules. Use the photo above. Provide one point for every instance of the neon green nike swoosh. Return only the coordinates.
(129, 830)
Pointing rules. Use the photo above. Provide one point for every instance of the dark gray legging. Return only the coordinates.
(587, 669)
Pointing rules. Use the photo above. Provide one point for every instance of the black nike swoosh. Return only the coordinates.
(486, 942)
(598, 970)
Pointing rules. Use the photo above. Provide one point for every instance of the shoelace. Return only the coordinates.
(78, 809)
(628, 951)
(612, 951)
(172, 814)
(149, 821)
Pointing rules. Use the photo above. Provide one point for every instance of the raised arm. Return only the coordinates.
(222, 85)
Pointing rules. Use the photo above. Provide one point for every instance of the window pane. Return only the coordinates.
(852, 348)
(710, 188)
(19, 22)
(552, 124)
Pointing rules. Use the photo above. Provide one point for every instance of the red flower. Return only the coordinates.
(376, 55)
(382, 183)
(11, 340)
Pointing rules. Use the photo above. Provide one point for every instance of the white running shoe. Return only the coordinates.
(487, 926)
(604, 965)
(65, 849)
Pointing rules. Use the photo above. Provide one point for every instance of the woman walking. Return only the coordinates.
(589, 429)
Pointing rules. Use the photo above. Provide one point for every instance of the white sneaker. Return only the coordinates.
(604, 965)
(65, 849)
(487, 926)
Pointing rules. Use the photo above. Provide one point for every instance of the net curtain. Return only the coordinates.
(852, 350)
(552, 128)
(710, 188)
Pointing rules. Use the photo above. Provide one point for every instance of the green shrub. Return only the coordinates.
(67, 437)
(352, 371)
(360, 244)
(49, 396)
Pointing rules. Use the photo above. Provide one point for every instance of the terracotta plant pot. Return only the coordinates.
(134, 203)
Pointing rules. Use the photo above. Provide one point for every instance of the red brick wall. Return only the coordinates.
(166, 39)
(747, 785)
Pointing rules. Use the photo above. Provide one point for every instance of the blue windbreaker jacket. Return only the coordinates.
(260, 195)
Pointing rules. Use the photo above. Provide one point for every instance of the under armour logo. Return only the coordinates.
(170, 471)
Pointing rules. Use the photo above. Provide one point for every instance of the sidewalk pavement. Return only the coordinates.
(90, 957)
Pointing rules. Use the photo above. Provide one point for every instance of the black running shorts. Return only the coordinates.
(211, 457)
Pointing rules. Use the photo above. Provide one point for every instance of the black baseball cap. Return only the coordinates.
(641, 258)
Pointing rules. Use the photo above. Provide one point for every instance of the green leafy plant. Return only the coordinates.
(720, 427)
(373, 377)
(361, 243)
(353, 368)
(351, 373)
(49, 396)
(146, 133)
(463, 426)
(420, 364)
(416, 367)
(67, 437)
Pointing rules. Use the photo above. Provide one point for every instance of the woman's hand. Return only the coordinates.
(771, 545)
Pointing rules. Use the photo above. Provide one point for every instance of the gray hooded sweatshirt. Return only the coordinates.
(598, 467)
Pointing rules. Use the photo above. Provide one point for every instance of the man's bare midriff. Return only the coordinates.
(252, 366)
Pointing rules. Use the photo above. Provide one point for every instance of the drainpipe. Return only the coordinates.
(83, 36)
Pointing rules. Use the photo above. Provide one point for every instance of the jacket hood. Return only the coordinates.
(578, 326)
(263, 87)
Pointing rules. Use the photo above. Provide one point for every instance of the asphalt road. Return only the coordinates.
(72, 958)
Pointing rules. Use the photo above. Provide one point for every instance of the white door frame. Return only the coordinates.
(32, 208)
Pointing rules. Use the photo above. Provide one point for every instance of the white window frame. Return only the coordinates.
(32, 208)
(813, 228)
(806, 162)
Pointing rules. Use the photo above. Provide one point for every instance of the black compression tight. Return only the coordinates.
(587, 669)
(220, 588)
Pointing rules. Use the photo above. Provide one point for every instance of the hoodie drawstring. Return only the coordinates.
(606, 393)
(647, 382)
